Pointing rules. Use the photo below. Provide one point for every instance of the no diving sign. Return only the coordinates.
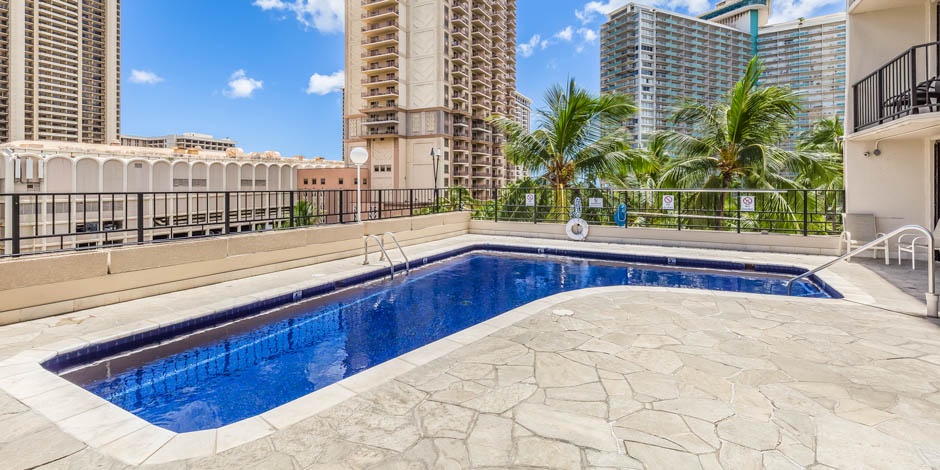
(669, 202)
(747, 203)
(530, 199)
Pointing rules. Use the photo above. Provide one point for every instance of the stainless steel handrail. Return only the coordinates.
(403, 255)
(931, 266)
(381, 246)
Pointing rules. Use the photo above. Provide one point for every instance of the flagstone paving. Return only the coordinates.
(616, 378)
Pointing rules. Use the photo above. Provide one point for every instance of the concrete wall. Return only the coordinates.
(37, 287)
(816, 245)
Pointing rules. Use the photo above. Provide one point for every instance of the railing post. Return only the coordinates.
(227, 217)
(291, 193)
(15, 223)
(140, 217)
(913, 84)
(879, 85)
(460, 201)
(379, 203)
(737, 203)
(679, 211)
(855, 110)
(806, 213)
(495, 204)
(411, 202)
(342, 207)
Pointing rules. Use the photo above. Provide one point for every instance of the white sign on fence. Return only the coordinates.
(530, 200)
(596, 203)
(669, 202)
(747, 203)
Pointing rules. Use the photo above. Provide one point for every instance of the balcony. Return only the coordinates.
(380, 94)
(907, 85)
(382, 14)
(374, 4)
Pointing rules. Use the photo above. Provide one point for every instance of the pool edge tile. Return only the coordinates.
(376, 375)
(242, 432)
(184, 446)
(307, 406)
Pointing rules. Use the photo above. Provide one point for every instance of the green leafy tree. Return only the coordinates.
(305, 213)
(578, 135)
(824, 138)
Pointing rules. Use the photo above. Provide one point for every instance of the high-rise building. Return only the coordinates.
(663, 59)
(424, 75)
(809, 56)
(60, 70)
(523, 110)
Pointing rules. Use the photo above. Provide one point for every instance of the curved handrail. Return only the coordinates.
(403, 255)
(381, 246)
(931, 266)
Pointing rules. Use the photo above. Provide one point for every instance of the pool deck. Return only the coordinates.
(615, 377)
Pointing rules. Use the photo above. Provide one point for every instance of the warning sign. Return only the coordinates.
(669, 202)
(596, 202)
(747, 203)
(530, 200)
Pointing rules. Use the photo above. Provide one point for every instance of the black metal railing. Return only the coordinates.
(906, 85)
(801, 212)
(50, 222)
(32, 223)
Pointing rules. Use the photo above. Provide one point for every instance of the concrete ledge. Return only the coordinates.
(775, 243)
(38, 287)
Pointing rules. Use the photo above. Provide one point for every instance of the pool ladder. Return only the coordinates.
(380, 242)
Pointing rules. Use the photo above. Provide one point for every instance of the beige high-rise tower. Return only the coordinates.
(424, 75)
(61, 68)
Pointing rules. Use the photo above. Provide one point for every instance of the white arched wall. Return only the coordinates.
(112, 176)
(138, 176)
(200, 176)
(287, 178)
(59, 173)
(274, 179)
(216, 177)
(231, 177)
(87, 175)
(246, 174)
(162, 176)
(181, 173)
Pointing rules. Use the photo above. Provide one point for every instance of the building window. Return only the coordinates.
(340, 181)
(314, 181)
(365, 181)
(322, 180)
(306, 181)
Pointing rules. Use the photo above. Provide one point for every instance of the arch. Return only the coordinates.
(200, 176)
(231, 177)
(181, 176)
(246, 175)
(216, 177)
(162, 176)
(87, 175)
(112, 176)
(138, 176)
(287, 178)
(274, 178)
(59, 171)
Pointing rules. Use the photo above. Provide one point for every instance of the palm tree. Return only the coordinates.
(305, 213)
(642, 173)
(824, 139)
(734, 142)
(579, 135)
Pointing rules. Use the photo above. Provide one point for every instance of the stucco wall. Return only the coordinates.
(816, 245)
(37, 287)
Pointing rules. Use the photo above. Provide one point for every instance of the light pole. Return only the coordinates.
(359, 156)
(436, 159)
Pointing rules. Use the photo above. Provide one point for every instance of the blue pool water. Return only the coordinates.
(232, 372)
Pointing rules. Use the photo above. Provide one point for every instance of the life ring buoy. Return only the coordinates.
(577, 229)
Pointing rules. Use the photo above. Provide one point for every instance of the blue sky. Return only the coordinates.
(265, 72)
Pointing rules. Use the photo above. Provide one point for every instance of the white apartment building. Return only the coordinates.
(808, 56)
(186, 140)
(664, 59)
(523, 110)
(892, 142)
(423, 75)
(60, 68)
(64, 187)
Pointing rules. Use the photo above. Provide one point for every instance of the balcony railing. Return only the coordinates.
(907, 85)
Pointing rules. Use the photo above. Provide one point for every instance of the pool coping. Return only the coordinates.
(135, 441)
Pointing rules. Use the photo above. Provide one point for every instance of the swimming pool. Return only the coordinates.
(239, 369)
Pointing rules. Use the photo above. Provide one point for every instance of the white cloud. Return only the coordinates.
(566, 34)
(326, 84)
(326, 16)
(588, 34)
(240, 85)
(527, 48)
(145, 77)
(786, 10)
